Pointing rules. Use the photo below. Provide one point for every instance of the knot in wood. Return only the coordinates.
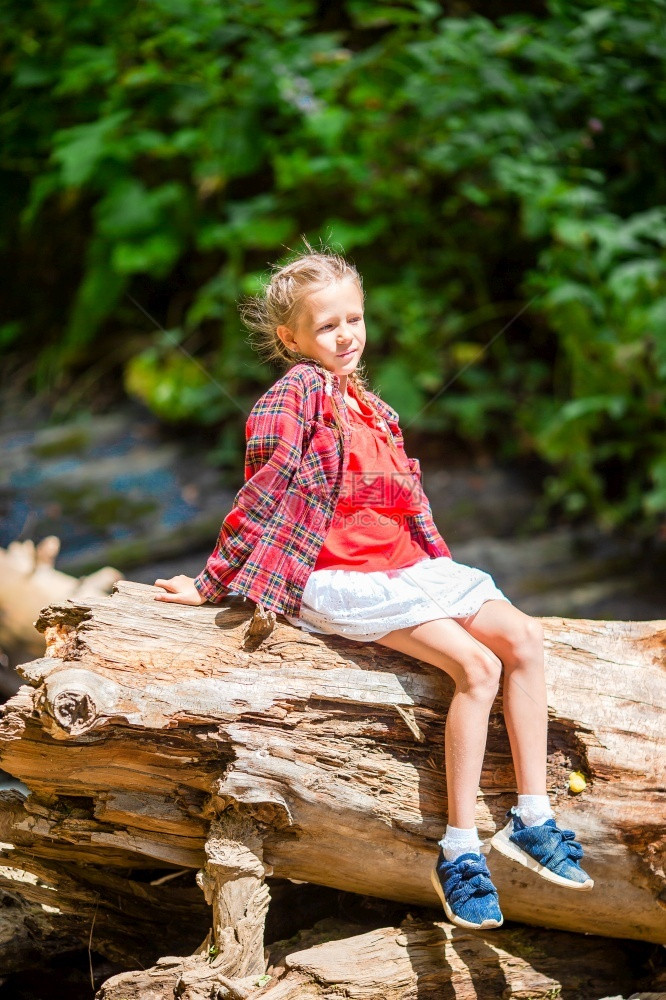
(78, 699)
(74, 711)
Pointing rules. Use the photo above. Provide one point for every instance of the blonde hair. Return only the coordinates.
(282, 301)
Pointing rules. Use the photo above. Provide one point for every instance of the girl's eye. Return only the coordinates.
(356, 319)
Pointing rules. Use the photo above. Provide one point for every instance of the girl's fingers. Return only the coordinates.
(178, 592)
(174, 599)
(167, 585)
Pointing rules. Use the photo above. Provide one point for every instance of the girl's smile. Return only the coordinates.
(330, 328)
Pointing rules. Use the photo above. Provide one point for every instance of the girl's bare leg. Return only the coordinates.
(517, 640)
(476, 671)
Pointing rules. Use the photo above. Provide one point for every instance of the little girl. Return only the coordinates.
(333, 530)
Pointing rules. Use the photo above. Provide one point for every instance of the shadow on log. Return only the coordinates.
(419, 960)
(150, 738)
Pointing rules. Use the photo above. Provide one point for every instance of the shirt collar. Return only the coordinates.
(330, 378)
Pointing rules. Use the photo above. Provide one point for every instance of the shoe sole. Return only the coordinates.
(487, 924)
(510, 850)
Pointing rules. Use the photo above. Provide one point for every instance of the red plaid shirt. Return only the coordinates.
(269, 542)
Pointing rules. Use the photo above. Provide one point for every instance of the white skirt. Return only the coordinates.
(366, 606)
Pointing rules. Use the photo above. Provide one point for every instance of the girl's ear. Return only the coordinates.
(287, 337)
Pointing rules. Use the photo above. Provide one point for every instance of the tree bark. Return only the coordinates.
(148, 723)
(233, 884)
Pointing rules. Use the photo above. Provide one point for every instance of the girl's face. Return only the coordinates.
(330, 327)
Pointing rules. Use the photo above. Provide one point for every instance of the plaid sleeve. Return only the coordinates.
(274, 432)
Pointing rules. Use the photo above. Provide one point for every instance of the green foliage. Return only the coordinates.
(498, 182)
(603, 288)
(172, 385)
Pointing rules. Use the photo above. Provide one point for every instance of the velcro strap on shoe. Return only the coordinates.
(473, 881)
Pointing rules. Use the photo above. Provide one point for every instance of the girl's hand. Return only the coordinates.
(181, 590)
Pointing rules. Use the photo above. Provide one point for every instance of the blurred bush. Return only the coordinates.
(497, 177)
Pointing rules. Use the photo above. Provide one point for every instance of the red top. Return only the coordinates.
(369, 530)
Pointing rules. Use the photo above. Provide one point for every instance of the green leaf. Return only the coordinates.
(654, 501)
(174, 386)
(80, 149)
(98, 293)
(628, 280)
(155, 255)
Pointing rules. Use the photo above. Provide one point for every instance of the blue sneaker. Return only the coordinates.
(547, 850)
(468, 896)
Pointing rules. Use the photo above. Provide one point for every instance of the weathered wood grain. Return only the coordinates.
(419, 960)
(146, 721)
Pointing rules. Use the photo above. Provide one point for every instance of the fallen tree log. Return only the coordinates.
(148, 725)
(131, 917)
(419, 960)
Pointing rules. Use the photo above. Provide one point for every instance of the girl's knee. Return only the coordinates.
(481, 674)
(526, 642)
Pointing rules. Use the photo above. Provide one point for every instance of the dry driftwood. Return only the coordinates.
(152, 737)
(419, 960)
(29, 581)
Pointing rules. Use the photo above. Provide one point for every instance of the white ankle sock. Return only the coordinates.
(457, 841)
(534, 809)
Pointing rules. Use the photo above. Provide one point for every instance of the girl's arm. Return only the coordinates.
(274, 431)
